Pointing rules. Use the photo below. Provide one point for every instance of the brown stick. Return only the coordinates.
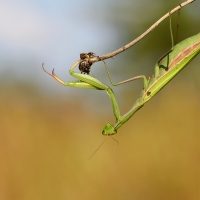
(124, 48)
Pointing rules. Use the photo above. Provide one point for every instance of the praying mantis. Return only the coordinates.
(166, 68)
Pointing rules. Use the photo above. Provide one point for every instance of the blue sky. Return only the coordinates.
(53, 32)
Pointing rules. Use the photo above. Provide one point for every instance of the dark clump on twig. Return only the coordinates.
(85, 65)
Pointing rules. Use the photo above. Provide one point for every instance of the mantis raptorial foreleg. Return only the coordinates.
(88, 82)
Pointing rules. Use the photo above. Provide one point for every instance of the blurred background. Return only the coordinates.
(48, 131)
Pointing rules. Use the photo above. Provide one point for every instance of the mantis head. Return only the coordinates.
(109, 130)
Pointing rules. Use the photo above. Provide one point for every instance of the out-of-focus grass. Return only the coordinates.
(45, 143)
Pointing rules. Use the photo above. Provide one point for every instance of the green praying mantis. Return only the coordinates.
(166, 68)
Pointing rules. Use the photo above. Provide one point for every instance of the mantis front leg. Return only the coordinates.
(89, 82)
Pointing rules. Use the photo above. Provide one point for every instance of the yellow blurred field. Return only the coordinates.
(45, 144)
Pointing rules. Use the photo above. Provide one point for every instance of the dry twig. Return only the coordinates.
(89, 60)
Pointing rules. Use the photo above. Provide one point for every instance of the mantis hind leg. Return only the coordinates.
(177, 26)
(172, 40)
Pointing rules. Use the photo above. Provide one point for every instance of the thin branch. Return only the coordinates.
(124, 48)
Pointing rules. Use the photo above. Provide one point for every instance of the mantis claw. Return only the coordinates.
(53, 75)
(57, 79)
(47, 71)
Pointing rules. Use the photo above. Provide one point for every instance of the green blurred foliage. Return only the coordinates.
(45, 141)
(131, 21)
